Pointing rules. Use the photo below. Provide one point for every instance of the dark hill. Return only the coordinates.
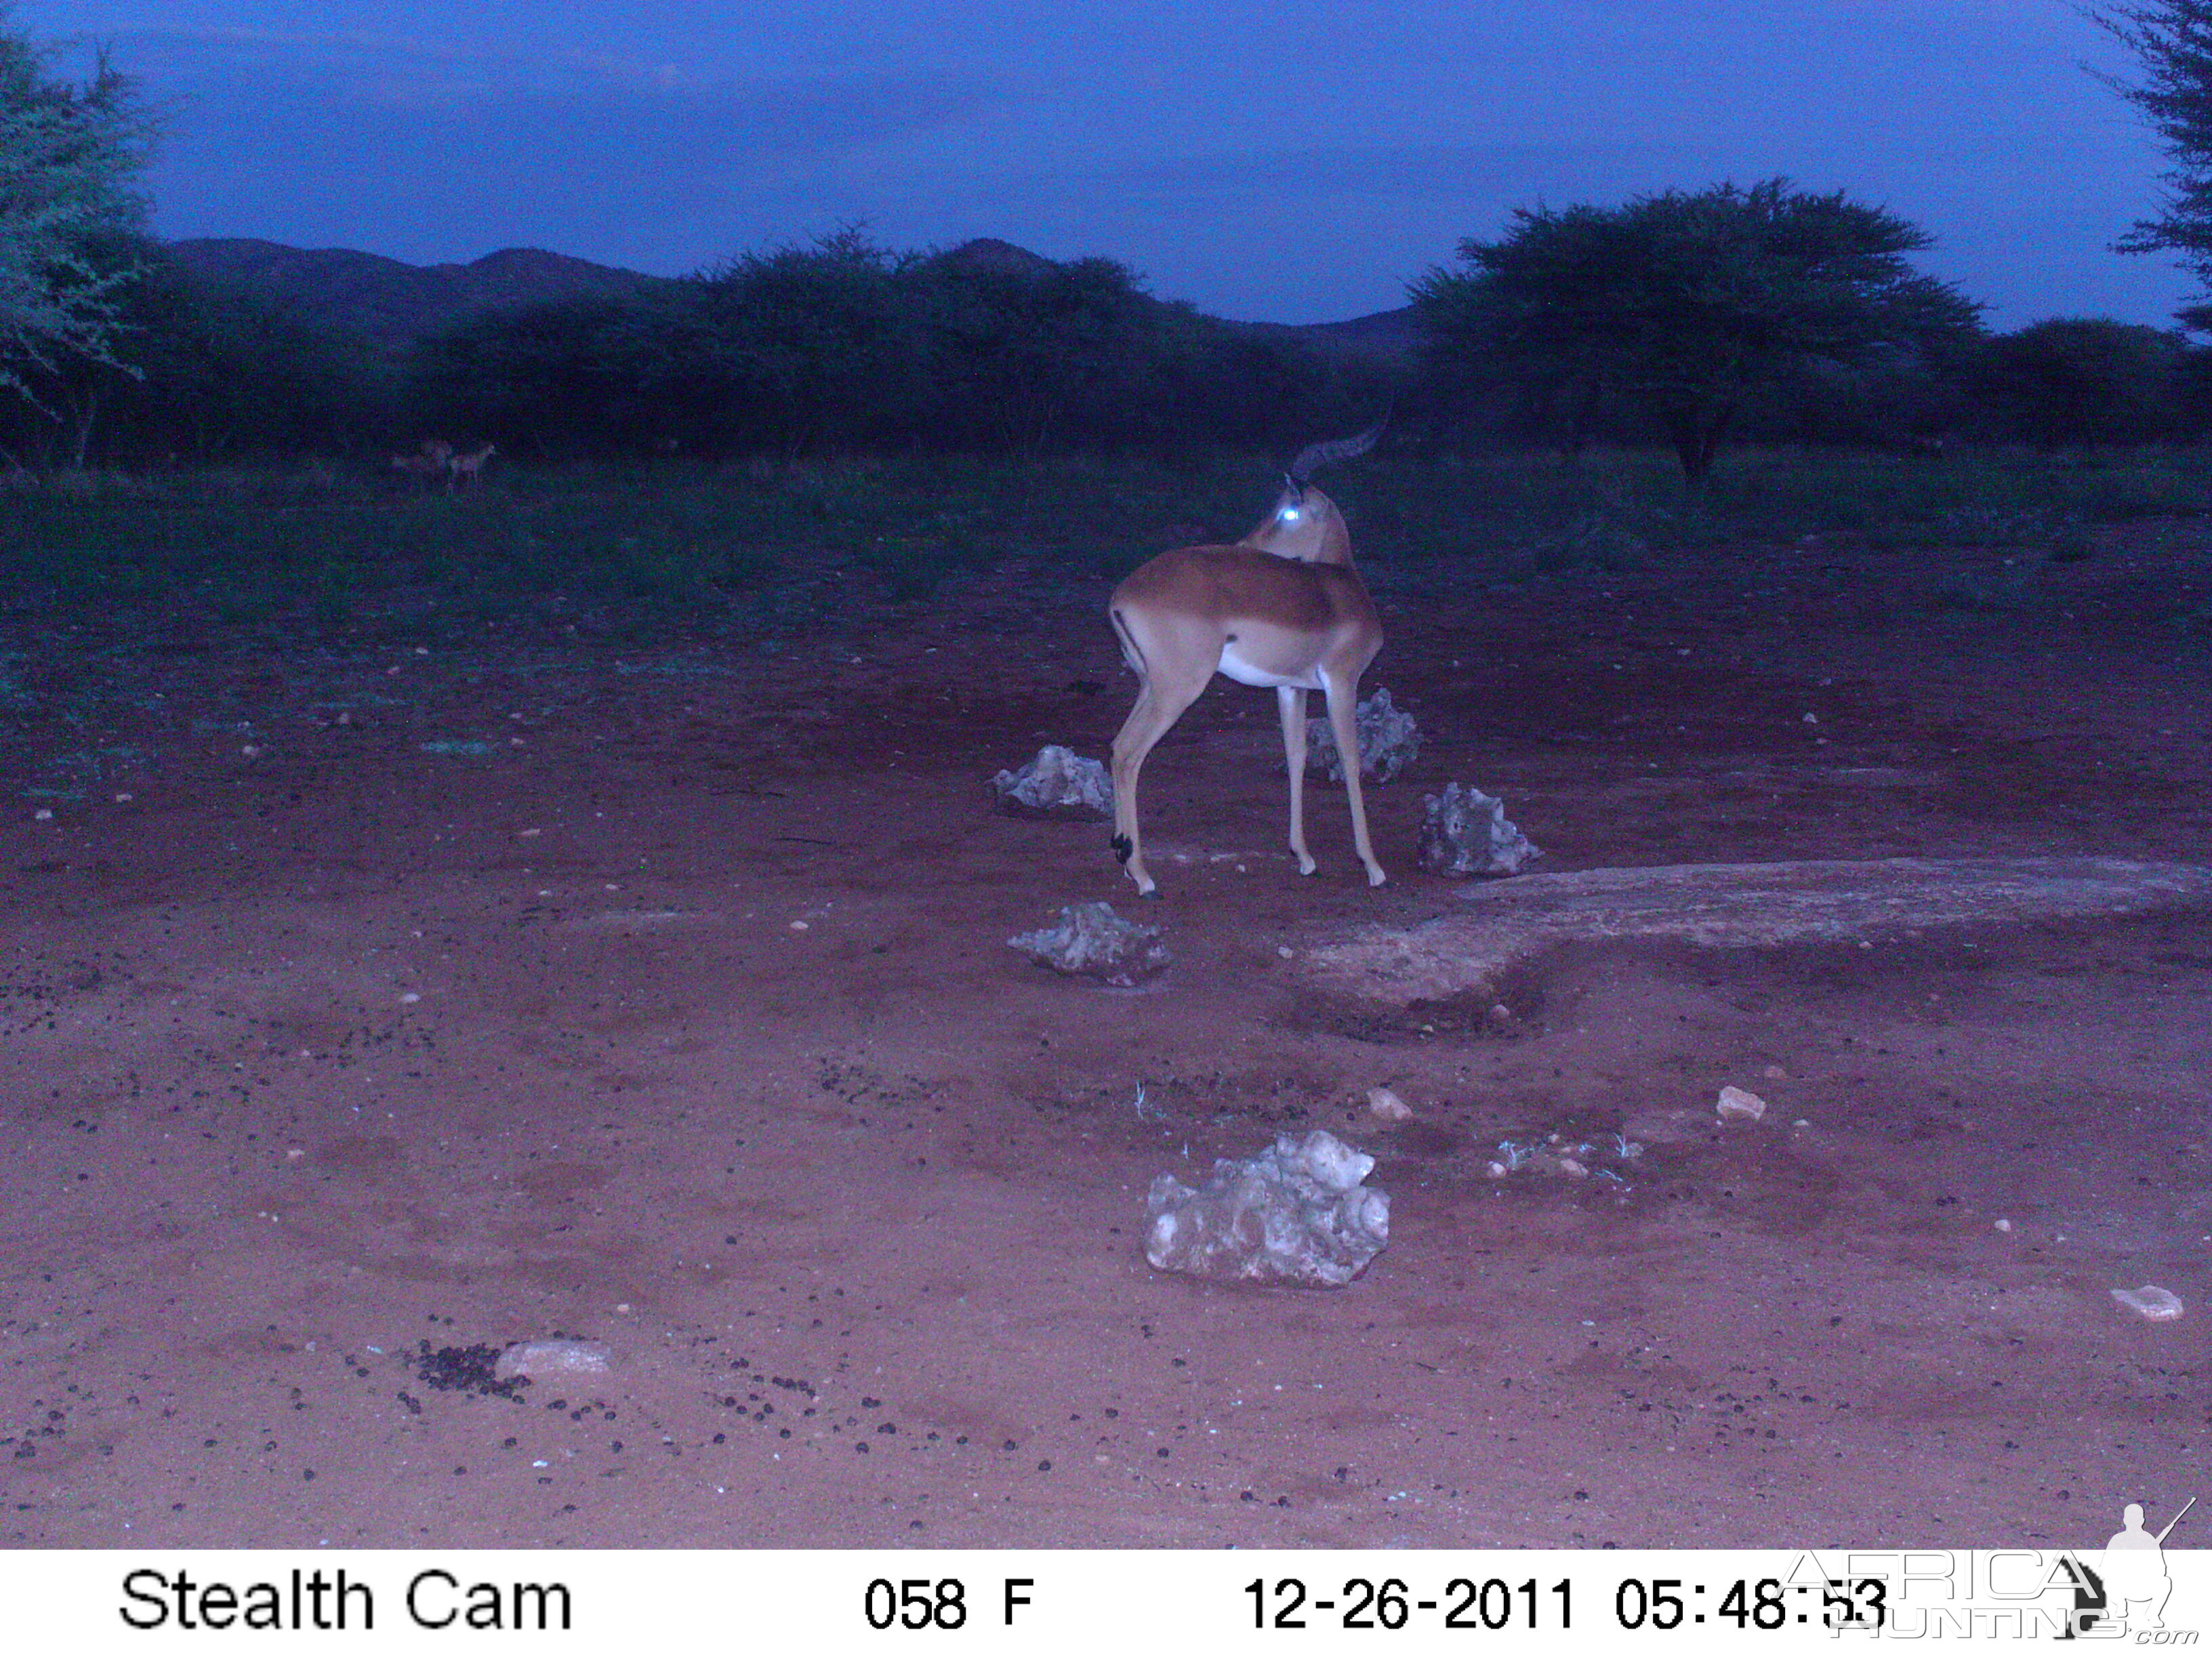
(395, 302)
(391, 300)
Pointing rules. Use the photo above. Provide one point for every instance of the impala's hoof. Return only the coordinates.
(1376, 877)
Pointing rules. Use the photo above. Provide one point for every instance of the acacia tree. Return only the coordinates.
(70, 159)
(2174, 39)
(1687, 305)
(2084, 381)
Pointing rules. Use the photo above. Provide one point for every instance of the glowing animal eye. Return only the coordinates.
(1290, 515)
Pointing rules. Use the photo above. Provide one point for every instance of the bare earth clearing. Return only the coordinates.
(665, 1001)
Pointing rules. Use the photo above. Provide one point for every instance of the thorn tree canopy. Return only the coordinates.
(69, 156)
(1687, 305)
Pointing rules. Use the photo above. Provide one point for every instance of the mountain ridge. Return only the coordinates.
(394, 302)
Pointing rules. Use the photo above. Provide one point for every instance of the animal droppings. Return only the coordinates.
(470, 1370)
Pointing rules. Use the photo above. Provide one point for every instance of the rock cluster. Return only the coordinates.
(1296, 1214)
(1092, 941)
(1466, 833)
(1389, 741)
(1058, 784)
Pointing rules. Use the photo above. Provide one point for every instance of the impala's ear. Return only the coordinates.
(1293, 488)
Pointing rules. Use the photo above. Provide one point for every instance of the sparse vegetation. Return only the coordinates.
(319, 548)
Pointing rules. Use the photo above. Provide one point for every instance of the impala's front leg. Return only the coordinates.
(1343, 701)
(1292, 700)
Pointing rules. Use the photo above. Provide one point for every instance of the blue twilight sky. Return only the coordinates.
(1285, 160)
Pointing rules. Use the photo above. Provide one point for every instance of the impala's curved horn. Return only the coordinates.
(1343, 449)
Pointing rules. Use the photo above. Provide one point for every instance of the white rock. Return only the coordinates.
(1296, 1213)
(1466, 833)
(2151, 1301)
(1091, 939)
(1739, 1102)
(1386, 1104)
(551, 1357)
(1389, 741)
(1058, 784)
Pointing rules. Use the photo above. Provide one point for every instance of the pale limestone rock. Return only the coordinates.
(1091, 940)
(1058, 784)
(1466, 833)
(1296, 1215)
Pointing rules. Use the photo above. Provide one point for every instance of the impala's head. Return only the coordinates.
(1306, 524)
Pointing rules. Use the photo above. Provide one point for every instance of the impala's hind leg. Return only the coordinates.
(1170, 681)
(1159, 707)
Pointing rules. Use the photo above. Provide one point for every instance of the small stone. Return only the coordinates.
(800, 926)
(1285, 950)
(410, 996)
(2003, 1226)
(2151, 1301)
(1739, 1102)
(1773, 1071)
(1387, 1105)
(42, 815)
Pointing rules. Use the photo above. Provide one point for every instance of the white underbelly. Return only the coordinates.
(1246, 673)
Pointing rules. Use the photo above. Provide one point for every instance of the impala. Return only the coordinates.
(468, 468)
(1284, 608)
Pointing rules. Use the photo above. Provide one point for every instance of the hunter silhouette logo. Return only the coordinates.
(2135, 1581)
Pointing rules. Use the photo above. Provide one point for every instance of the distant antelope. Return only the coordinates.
(1282, 607)
(468, 468)
(433, 460)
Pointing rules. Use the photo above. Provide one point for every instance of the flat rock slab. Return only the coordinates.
(1734, 905)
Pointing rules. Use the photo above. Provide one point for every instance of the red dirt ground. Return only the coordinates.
(681, 1018)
